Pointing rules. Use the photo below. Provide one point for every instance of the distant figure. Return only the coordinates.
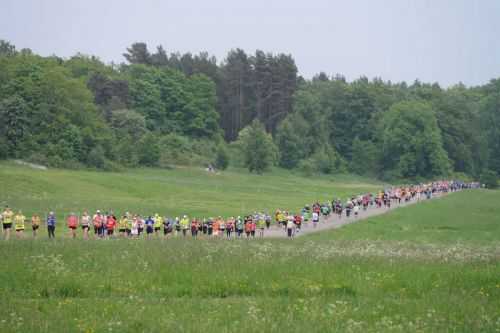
(210, 168)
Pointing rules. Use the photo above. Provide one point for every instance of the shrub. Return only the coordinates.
(222, 158)
(490, 179)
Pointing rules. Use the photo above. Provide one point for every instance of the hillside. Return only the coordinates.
(186, 190)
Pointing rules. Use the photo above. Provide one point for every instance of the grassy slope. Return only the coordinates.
(358, 278)
(174, 192)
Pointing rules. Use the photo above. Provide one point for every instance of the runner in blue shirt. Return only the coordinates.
(51, 224)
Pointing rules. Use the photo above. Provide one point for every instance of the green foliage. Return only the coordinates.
(292, 147)
(222, 158)
(172, 102)
(412, 144)
(14, 125)
(490, 123)
(324, 160)
(96, 157)
(128, 123)
(59, 110)
(148, 150)
(258, 148)
(365, 158)
(489, 178)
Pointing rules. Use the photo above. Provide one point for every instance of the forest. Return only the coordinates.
(160, 109)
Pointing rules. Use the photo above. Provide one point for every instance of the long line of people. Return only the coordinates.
(104, 224)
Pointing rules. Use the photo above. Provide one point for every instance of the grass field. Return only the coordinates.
(431, 267)
(170, 192)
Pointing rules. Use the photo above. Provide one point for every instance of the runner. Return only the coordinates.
(348, 208)
(297, 219)
(167, 226)
(7, 216)
(268, 221)
(85, 223)
(210, 227)
(229, 227)
(194, 228)
(356, 210)
(239, 226)
(290, 227)
(72, 222)
(215, 227)
(149, 226)
(184, 223)
(248, 226)
(130, 223)
(177, 226)
(19, 220)
(110, 225)
(134, 229)
(140, 224)
(122, 226)
(222, 227)
(315, 218)
(158, 222)
(261, 225)
(253, 227)
(51, 225)
(35, 224)
(97, 221)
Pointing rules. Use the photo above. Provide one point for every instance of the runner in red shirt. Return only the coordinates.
(72, 224)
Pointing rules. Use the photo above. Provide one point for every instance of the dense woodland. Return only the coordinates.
(253, 110)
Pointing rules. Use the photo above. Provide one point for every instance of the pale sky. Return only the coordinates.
(445, 41)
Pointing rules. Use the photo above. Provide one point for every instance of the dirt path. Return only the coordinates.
(334, 222)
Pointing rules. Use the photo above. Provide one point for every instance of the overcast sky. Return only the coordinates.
(445, 41)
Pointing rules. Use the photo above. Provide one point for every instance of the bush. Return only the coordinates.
(96, 157)
(306, 167)
(490, 179)
(149, 150)
(176, 149)
(222, 158)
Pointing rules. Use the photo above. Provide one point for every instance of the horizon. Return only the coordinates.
(445, 42)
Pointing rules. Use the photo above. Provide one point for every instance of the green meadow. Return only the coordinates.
(183, 190)
(430, 267)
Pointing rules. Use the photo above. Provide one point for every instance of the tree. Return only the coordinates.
(365, 158)
(411, 142)
(138, 54)
(291, 147)
(258, 147)
(7, 49)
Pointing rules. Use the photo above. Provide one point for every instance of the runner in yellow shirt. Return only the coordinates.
(19, 219)
(123, 226)
(7, 216)
(158, 223)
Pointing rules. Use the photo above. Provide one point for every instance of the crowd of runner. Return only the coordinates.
(105, 225)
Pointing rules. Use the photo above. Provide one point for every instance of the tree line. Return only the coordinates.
(253, 110)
